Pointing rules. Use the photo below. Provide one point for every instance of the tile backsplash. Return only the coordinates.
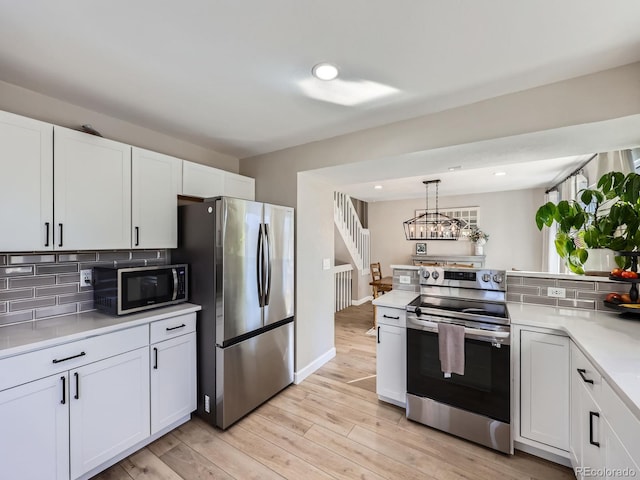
(37, 286)
(587, 294)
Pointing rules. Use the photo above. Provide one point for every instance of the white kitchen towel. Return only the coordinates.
(451, 346)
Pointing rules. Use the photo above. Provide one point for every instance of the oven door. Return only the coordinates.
(484, 387)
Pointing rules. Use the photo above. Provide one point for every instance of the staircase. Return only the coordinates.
(355, 237)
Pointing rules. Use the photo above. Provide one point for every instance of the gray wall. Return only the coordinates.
(508, 218)
(31, 104)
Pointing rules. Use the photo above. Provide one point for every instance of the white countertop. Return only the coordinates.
(405, 267)
(395, 299)
(611, 342)
(26, 337)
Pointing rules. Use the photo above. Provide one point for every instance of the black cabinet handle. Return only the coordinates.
(60, 225)
(77, 395)
(81, 354)
(175, 328)
(378, 334)
(46, 234)
(64, 390)
(155, 353)
(582, 371)
(389, 316)
(137, 236)
(591, 441)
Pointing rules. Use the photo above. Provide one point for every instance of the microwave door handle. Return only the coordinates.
(175, 283)
(267, 294)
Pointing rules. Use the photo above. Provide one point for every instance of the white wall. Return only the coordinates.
(31, 104)
(508, 217)
(314, 286)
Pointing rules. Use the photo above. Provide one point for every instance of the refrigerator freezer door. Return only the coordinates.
(237, 268)
(250, 372)
(279, 283)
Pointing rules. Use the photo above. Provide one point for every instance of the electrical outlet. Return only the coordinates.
(405, 279)
(86, 277)
(556, 292)
(207, 404)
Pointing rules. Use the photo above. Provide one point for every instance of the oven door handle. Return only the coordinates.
(474, 333)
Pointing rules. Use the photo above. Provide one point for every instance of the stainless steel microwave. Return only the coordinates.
(119, 291)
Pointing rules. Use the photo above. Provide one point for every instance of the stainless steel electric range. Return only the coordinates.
(476, 405)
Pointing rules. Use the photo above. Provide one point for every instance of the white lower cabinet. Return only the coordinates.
(70, 410)
(544, 388)
(35, 425)
(109, 408)
(173, 380)
(391, 356)
(603, 431)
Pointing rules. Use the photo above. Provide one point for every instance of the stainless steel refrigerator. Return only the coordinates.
(241, 264)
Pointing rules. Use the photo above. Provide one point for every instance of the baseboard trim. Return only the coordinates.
(300, 375)
(362, 300)
(539, 452)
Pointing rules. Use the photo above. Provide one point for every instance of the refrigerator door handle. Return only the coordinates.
(259, 266)
(267, 294)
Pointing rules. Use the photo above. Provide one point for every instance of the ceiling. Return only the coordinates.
(235, 76)
(232, 76)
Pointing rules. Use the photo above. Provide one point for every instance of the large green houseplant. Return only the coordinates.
(607, 216)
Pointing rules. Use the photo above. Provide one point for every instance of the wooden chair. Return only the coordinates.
(376, 274)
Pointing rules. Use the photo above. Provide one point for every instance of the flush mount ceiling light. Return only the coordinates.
(325, 71)
(500, 174)
(378, 187)
(433, 225)
(457, 167)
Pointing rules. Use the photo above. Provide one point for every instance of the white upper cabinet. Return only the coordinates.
(203, 181)
(26, 196)
(156, 180)
(92, 192)
(239, 186)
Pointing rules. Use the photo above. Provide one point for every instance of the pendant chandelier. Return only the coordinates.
(432, 225)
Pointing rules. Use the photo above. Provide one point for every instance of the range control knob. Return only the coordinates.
(486, 277)
(418, 312)
(497, 278)
(425, 274)
(435, 275)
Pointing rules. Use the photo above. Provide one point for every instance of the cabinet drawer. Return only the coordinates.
(172, 327)
(392, 316)
(587, 374)
(623, 422)
(42, 363)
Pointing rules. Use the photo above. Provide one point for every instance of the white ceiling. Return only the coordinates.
(235, 76)
(228, 75)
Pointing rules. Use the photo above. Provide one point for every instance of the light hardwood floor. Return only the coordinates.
(329, 426)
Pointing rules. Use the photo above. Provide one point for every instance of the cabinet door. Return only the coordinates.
(26, 196)
(109, 408)
(92, 192)
(617, 461)
(155, 184)
(391, 364)
(239, 186)
(35, 424)
(201, 180)
(592, 439)
(173, 380)
(544, 388)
